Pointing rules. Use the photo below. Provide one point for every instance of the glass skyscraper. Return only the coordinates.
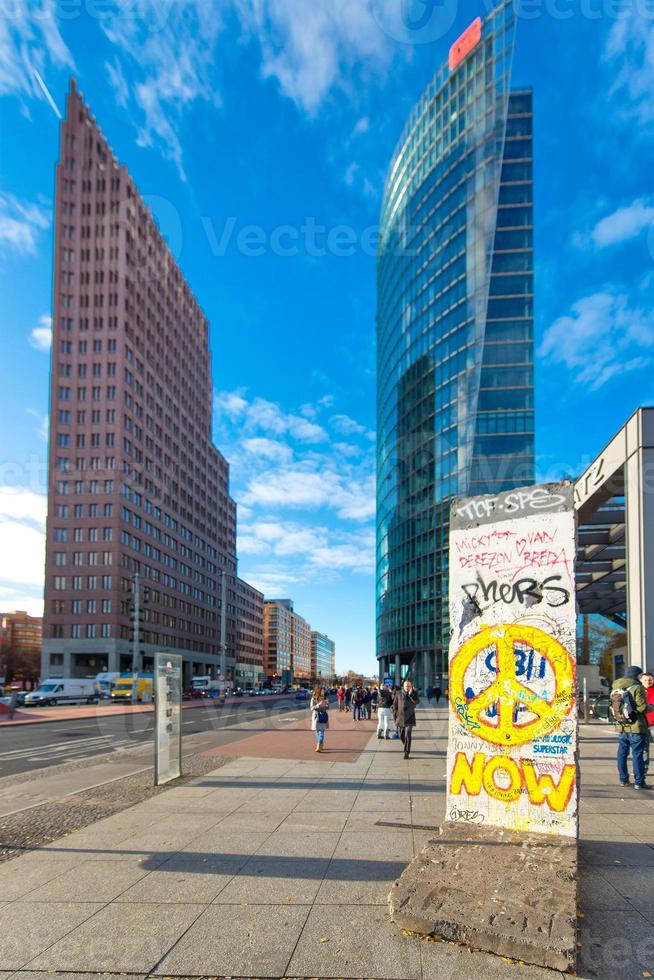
(455, 409)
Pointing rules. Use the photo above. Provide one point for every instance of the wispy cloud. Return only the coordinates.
(41, 337)
(603, 336)
(623, 224)
(22, 548)
(20, 224)
(30, 42)
(311, 49)
(172, 64)
(629, 53)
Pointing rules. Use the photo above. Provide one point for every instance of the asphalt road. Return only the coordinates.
(26, 747)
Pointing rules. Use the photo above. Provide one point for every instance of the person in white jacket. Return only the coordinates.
(319, 716)
(384, 705)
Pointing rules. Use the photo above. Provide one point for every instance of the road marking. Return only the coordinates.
(56, 746)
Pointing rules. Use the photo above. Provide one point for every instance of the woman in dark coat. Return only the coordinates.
(404, 706)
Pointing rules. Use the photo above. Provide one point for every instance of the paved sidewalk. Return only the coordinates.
(281, 868)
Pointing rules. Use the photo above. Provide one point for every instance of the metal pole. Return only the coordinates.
(585, 700)
(136, 643)
(223, 624)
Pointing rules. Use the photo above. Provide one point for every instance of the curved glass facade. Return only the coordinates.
(454, 333)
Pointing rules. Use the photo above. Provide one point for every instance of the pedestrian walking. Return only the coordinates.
(367, 703)
(438, 694)
(13, 704)
(357, 704)
(430, 694)
(348, 698)
(406, 700)
(375, 698)
(384, 704)
(319, 716)
(340, 694)
(628, 707)
(647, 680)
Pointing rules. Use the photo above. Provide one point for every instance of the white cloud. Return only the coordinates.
(347, 426)
(30, 41)
(623, 224)
(41, 336)
(313, 48)
(20, 224)
(261, 415)
(173, 56)
(22, 548)
(269, 449)
(310, 486)
(629, 53)
(312, 548)
(603, 336)
(42, 430)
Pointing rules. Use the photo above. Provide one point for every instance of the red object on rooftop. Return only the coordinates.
(465, 44)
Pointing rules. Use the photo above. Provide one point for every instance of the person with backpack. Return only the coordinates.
(319, 716)
(384, 704)
(628, 706)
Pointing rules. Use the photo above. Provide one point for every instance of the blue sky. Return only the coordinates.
(259, 132)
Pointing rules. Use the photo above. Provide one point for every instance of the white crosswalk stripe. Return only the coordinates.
(64, 748)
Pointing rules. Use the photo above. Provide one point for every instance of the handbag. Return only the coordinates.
(321, 716)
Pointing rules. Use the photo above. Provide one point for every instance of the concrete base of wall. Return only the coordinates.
(504, 892)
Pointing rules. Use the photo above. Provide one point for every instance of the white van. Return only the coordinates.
(105, 682)
(64, 690)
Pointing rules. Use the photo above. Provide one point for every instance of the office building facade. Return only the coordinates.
(138, 495)
(287, 642)
(455, 412)
(323, 656)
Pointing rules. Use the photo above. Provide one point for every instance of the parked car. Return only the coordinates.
(64, 690)
(301, 695)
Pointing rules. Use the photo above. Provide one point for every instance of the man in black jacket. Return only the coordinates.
(405, 714)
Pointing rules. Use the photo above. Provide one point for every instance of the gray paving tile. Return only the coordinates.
(323, 801)
(229, 843)
(30, 927)
(275, 881)
(190, 886)
(612, 852)
(352, 941)
(444, 961)
(377, 821)
(121, 937)
(93, 881)
(397, 800)
(616, 942)
(635, 884)
(280, 800)
(301, 822)
(20, 876)
(244, 819)
(597, 893)
(284, 843)
(37, 975)
(232, 941)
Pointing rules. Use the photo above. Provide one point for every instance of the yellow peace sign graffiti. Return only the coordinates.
(506, 691)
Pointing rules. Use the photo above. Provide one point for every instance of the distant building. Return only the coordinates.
(138, 494)
(20, 631)
(20, 646)
(287, 641)
(323, 656)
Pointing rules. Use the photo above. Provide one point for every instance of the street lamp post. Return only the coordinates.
(136, 641)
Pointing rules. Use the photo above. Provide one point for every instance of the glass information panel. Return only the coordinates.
(168, 717)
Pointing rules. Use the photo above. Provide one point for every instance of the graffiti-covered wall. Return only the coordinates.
(512, 688)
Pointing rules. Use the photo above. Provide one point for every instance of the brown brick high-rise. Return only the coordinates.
(136, 486)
